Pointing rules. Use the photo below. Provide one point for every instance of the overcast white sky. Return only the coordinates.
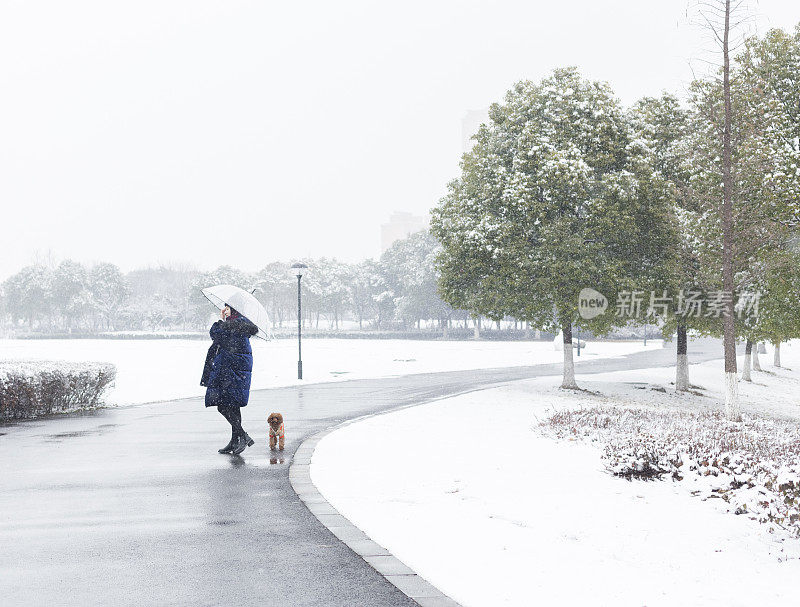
(140, 132)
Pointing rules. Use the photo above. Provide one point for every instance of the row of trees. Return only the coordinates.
(65, 297)
(565, 189)
(398, 291)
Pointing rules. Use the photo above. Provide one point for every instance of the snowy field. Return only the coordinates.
(150, 370)
(475, 498)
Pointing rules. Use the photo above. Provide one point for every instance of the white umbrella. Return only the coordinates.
(244, 303)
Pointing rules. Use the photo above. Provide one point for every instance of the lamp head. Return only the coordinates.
(299, 269)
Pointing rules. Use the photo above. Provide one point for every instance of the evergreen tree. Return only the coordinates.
(769, 70)
(409, 270)
(555, 196)
(752, 244)
(664, 127)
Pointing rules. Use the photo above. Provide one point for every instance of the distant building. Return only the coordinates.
(470, 125)
(401, 225)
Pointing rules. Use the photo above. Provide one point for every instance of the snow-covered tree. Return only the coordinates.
(28, 295)
(277, 290)
(410, 272)
(331, 280)
(160, 297)
(69, 286)
(769, 73)
(663, 127)
(555, 196)
(109, 290)
(779, 315)
(740, 155)
(366, 286)
(202, 312)
(769, 70)
(722, 18)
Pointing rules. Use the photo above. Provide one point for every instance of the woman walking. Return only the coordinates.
(227, 372)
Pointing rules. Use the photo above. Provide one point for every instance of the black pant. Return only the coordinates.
(234, 416)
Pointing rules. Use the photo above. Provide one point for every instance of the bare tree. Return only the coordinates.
(729, 330)
(726, 22)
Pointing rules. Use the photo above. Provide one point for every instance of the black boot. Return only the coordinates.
(229, 447)
(250, 441)
(239, 444)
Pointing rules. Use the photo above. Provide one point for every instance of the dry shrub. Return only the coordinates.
(753, 465)
(31, 389)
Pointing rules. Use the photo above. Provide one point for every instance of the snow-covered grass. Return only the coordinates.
(470, 493)
(151, 370)
(773, 392)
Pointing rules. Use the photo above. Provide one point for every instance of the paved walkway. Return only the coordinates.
(133, 506)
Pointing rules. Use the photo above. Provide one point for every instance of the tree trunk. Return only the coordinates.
(756, 362)
(476, 332)
(777, 360)
(569, 363)
(748, 360)
(682, 368)
(729, 334)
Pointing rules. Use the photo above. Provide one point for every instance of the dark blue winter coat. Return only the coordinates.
(229, 363)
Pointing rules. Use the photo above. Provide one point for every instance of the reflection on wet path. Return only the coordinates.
(140, 496)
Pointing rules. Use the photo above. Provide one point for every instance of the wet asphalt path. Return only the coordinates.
(134, 506)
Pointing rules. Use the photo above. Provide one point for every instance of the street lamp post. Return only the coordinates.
(299, 268)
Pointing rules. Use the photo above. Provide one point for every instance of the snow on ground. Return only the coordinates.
(775, 391)
(149, 370)
(475, 498)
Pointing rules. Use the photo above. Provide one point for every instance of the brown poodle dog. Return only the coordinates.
(277, 434)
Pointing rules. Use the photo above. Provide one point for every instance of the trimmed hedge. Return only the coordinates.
(29, 389)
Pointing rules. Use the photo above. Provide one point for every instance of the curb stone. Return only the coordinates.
(376, 556)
